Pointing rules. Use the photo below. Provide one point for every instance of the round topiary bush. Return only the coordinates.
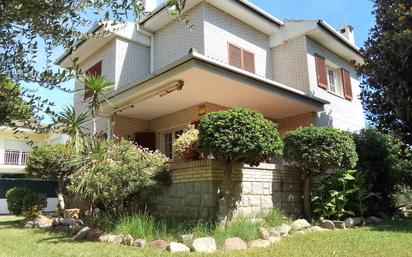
(239, 135)
(314, 150)
(23, 201)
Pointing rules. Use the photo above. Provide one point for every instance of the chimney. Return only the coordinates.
(348, 33)
(149, 5)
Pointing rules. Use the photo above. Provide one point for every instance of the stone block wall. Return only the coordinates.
(194, 190)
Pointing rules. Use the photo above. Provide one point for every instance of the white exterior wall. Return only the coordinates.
(221, 28)
(290, 64)
(175, 40)
(340, 113)
(132, 62)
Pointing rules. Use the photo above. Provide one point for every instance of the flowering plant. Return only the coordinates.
(187, 141)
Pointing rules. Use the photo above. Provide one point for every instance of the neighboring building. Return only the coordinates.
(296, 73)
(14, 150)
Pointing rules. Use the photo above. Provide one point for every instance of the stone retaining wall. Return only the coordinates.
(193, 192)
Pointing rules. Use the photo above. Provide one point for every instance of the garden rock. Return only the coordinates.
(29, 224)
(158, 244)
(139, 243)
(339, 224)
(74, 228)
(204, 245)
(187, 239)
(56, 222)
(117, 240)
(128, 240)
(68, 222)
(383, 216)
(274, 239)
(259, 243)
(316, 229)
(280, 231)
(177, 248)
(327, 224)
(300, 224)
(62, 229)
(71, 213)
(94, 234)
(41, 221)
(373, 220)
(264, 233)
(353, 222)
(107, 238)
(234, 243)
(82, 234)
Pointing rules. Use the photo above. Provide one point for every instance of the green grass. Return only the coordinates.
(150, 228)
(389, 239)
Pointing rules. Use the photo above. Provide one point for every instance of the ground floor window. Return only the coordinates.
(168, 140)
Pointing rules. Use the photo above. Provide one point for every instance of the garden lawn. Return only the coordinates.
(389, 239)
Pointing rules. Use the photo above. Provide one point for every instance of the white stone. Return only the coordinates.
(280, 231)
(274, 239)
(259, 243)
(177, 248)
(204, 245)
(300, 224)
(82, 234)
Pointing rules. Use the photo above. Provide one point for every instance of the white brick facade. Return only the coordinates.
(340, 113)
(221, 29)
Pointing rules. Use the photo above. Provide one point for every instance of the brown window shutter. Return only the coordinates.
(347, 85)
(235, 56)
(94, 70)
(248, 61)
(321, 71)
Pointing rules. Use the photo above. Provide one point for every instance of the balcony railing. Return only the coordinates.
(13, 157)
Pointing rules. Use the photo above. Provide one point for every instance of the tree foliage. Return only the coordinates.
(387, 73)
(384, 162)
(31, 31)
(13, 109)
(317, 149)
(314, 150)
(114, 172)
(239, 135)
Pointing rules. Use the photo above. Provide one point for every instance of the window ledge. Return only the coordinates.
(337, 95)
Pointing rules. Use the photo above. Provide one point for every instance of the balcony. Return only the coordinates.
(13, 157)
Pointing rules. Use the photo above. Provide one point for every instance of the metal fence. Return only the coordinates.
(47, 187)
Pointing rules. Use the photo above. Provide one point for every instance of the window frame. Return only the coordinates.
(242, 63)
(176, 132)
(338, 84)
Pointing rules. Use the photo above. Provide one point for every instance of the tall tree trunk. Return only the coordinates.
(226, 201)
(307, 195)
(60, 194)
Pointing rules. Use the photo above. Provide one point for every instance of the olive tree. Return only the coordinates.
(315, 150)
(52, 162)
(237, 136)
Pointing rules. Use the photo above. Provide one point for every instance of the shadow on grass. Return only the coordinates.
(401, 225)
(9, 224)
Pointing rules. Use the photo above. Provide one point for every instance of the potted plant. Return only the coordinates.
(185, 145)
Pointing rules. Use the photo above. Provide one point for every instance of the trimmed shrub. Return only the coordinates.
(314, 150)
(23, 201)
(239, 135)
(115, 172)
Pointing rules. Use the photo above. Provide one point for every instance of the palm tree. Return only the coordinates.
(97, 86)
(71, 123)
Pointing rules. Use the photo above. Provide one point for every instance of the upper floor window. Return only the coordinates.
(334, 84)
(334, 80)
(241, 58)
(96, 70)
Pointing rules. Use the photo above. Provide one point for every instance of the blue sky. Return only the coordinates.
(336, 12)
